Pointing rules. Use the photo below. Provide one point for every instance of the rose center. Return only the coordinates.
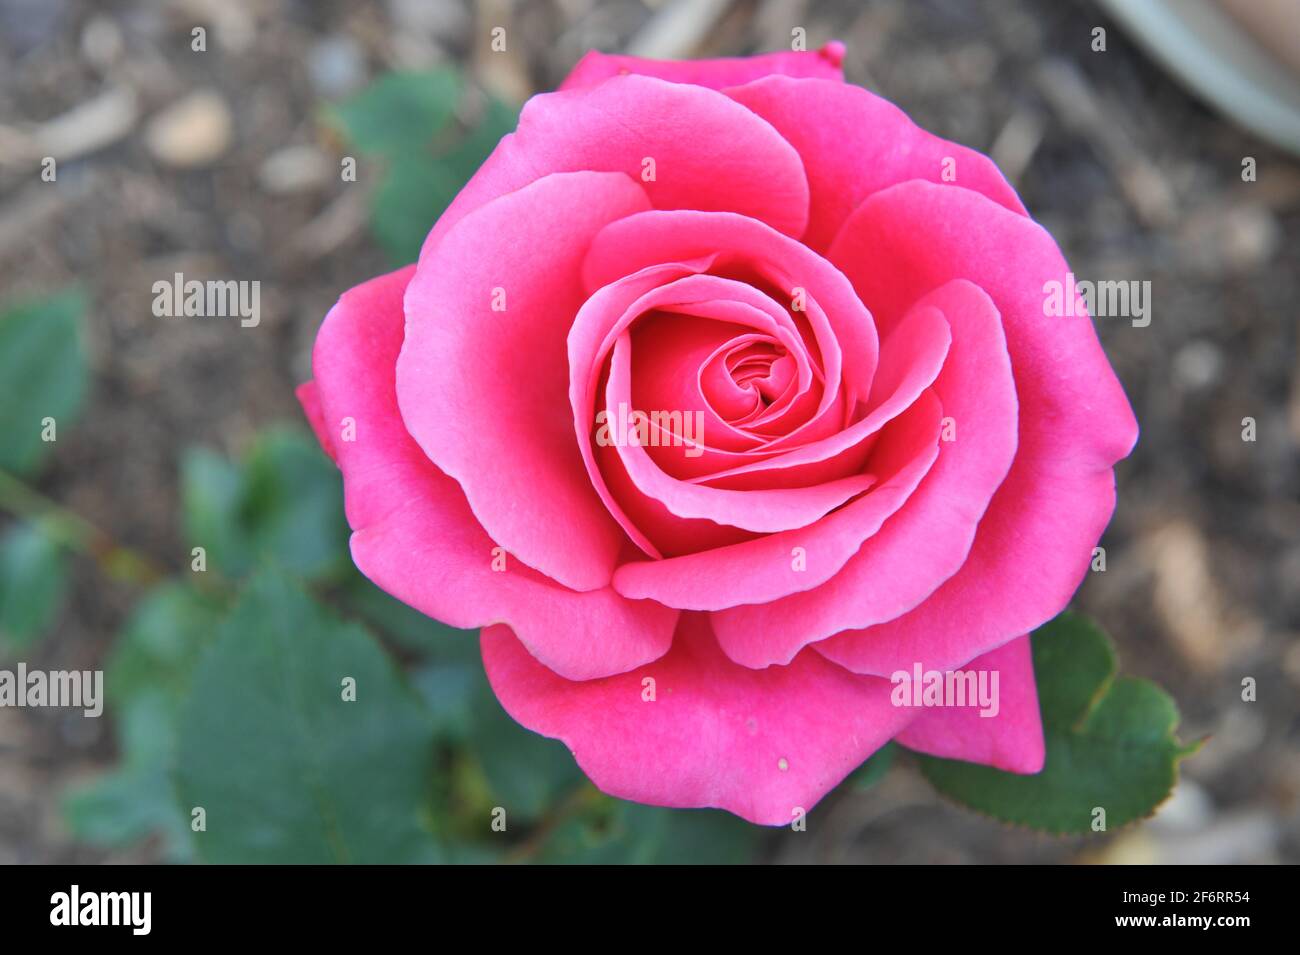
(761, 367)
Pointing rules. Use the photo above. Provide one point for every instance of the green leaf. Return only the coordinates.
(449, 690)
(417, 188)
(617, 832)
(1110, 742)
(160, 644)
(138, 798)
(211, 488)
(293, 505)
(399, 111)
(526, 773)
(404, 119)
(146, 680)
(407, 626)
(33, 581)
(43, 374)
(123, 807)
(412, 195)
(285, 768)
(283, 505)
(494, 120)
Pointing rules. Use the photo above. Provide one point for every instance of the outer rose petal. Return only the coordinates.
(853, 143)
(482, 390)
(709, 152)
(309, 397)
(1035, 541)
(1011, 741)
(596, 67)
(414, 534)
(758, 743)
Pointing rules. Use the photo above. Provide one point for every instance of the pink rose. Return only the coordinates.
(721, 394)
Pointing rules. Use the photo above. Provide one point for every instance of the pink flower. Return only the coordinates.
(884, 454)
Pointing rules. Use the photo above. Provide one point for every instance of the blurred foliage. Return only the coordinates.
(430, 132)
(399, 113)
(404, 625)
(44, 374)
(282, 503)
(301, 742)
(624, 832)
(33, 581)
(146, 681)
(43, 368)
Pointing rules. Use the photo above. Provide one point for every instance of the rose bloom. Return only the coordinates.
(719, 395)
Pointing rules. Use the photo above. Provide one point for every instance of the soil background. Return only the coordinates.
(1134, 177)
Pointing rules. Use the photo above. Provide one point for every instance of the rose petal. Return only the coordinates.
(853, 143)
(775, 565)
(759, 743)
(309, 397)
(429, 554)
(665, 533)
(415, 536)
(596, 67)
(709, 152)
(615, 306)
(1010, 740)
(601, 319)
(480, 389)
(673, 287)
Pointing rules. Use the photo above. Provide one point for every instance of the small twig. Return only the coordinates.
(677, 29)
(87, 128)
(76, 533)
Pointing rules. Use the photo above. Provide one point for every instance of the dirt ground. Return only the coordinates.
(1134, 177)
